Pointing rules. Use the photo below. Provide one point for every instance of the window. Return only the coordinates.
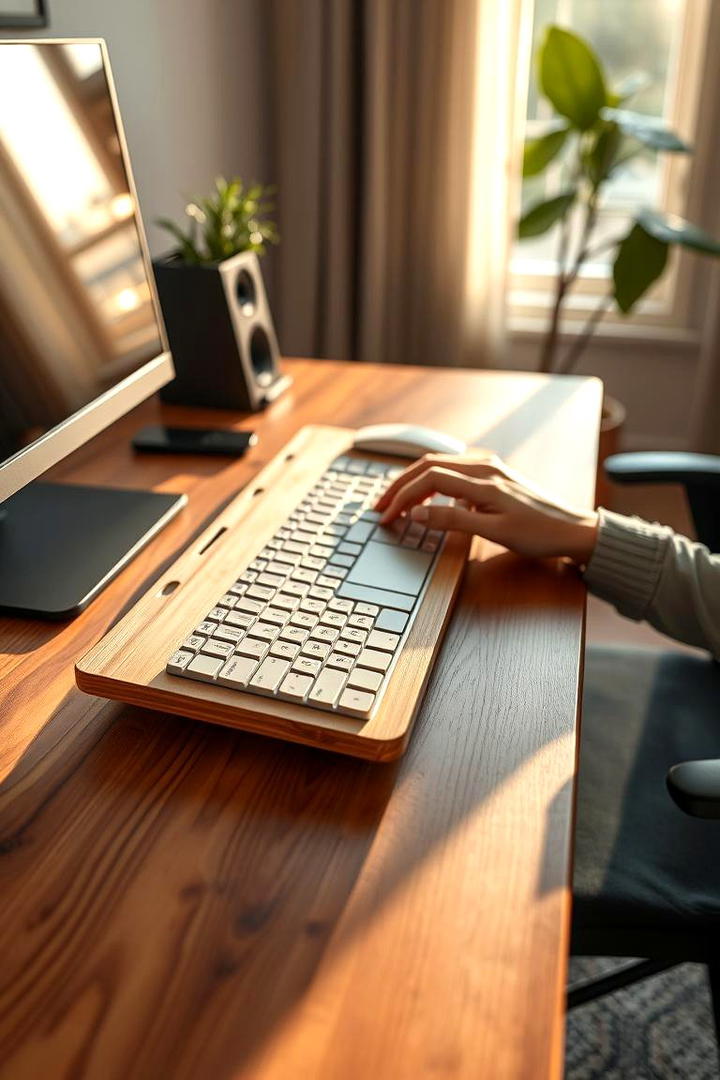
(662, 40)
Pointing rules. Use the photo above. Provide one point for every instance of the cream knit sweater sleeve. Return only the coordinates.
(649, 572)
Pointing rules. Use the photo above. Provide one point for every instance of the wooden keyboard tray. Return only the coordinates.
(128, 664)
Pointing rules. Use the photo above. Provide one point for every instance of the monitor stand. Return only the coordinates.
(60, 544)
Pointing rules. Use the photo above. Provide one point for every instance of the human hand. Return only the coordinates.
(492, 501)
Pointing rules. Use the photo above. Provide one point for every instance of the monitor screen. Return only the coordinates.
(76, 308)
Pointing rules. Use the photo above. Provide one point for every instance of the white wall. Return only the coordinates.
(191, 89)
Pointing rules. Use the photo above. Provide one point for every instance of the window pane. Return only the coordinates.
(631, 37)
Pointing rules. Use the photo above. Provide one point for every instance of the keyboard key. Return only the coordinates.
(304, 618)
(318, 650)
(377, 661)
(357, 702)
(394, 621)
(318, 592)
(397, 600)
(311, 606)
(227, 601)
(344, 606)
(364, 679)
(204, 668)
(345, 561)
(304, 577)
(237, 672)
(295, 686)
(252, 607)
(248, 576)
(264, 631)
(363, 622)
(354, 634)
(333, 571)
(327, 687)
(311, 563)
(333, 618)
(366, 609)
(339, 661)
(325, 633)
(274, 581)
(370, 515)
(347, 648)
(284, 602)
(214, 647)
(179, 661)
(270, 674)
(260, 592)
(233, 634)
(296, 634)
(206, 629)
(286, 649)
(392, 533)
(239, 618)
(217, 614)
(252, 647)
(276, 616)
(307, 665)
(319, 552)
(279, 569)
(296, 588)
(359, 532)
(324, 582)
(282, 563)
(378, 639)
(193, 643)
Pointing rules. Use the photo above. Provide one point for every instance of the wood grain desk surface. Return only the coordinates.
(183, 901)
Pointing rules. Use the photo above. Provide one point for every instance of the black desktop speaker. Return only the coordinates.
(221, 333)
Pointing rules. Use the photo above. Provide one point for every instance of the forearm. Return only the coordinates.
(649, 572)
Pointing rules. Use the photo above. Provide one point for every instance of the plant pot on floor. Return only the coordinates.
(611, 427)
(221, 333)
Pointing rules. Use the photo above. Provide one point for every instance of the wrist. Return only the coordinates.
(582, 538)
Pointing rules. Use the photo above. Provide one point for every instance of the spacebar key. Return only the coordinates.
(397, 600)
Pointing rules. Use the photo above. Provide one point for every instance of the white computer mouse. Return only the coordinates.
(405, 440)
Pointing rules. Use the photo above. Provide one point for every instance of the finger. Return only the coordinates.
(457, 519)
(487, 464)
(437, 481)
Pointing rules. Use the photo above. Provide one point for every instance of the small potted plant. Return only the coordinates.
(213, 301)
(593, 134)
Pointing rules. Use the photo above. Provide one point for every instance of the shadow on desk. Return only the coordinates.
(180, 884)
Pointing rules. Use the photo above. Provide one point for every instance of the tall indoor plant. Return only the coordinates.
(593, 135)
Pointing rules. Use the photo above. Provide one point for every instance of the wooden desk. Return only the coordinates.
(184, 901)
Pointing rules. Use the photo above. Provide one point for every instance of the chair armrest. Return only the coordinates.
(695, 787)
(664, 467)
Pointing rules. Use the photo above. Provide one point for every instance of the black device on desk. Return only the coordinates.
(157, 439)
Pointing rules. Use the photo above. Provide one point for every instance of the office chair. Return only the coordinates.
(647, 876)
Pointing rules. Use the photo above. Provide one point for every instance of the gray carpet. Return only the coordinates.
(659, 1029)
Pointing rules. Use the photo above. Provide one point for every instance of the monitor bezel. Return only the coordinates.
(81, 426)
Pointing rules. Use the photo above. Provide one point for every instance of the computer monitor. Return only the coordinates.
(81, 337)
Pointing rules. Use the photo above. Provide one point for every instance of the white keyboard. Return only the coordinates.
(321, 614)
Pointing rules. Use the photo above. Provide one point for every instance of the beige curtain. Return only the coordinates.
(393, 127)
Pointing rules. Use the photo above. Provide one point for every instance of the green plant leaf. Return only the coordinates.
(187, 247)
(672, 229)
(648, 130)
(629, 86)
(543, 215)
(640, 261)
(538, 153)
(603, 154)
(571, 77)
